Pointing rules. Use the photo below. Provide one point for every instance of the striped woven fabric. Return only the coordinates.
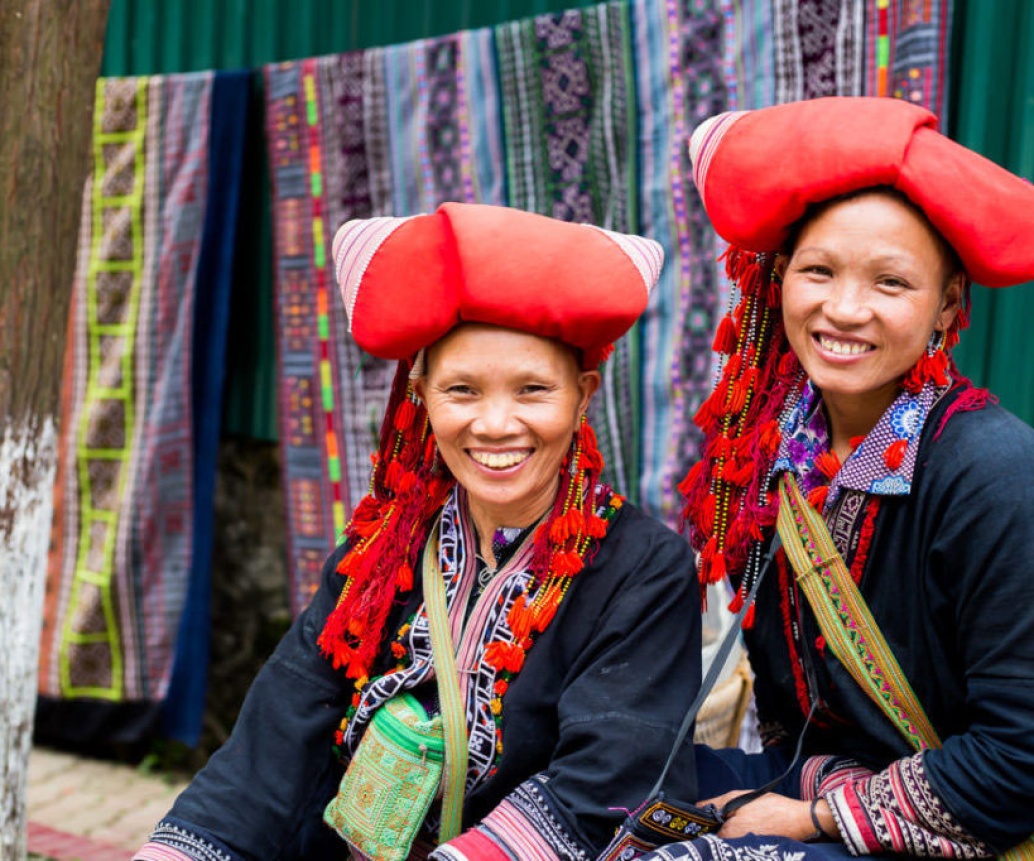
(906, 52)
(129, 537)
(582, 115)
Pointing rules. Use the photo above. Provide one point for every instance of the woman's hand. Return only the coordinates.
(776, 815)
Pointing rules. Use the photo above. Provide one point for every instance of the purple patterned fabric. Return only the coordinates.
(806, 435)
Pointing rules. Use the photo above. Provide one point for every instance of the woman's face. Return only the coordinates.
(504, 405)
(866, 286)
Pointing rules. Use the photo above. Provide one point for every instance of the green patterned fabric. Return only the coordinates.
(391, 781)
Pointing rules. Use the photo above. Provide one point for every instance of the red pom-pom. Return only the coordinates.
(827, 463)
(817, 497)
(894, 454)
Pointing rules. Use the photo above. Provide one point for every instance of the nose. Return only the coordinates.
(846, 303)
(496, 418)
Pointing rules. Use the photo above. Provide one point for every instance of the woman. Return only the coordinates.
(839, 374)
(567, 606)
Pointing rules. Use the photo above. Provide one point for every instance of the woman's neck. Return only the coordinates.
(853, 416)
(487, 520)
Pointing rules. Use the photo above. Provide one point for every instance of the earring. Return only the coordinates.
(938, 338)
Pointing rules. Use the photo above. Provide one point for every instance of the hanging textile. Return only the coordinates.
(906, 52)
(125, 620)
(582, 115)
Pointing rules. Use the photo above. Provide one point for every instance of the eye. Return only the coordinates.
(894, 282)
(817, 270)
(534, 389)
(459, 390)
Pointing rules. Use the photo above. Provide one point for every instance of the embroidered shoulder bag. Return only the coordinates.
(404, 755)
(849, 628)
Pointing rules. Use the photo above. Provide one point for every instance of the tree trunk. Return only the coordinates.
(50, 53)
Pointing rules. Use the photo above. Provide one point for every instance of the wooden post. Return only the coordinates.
(50, 53)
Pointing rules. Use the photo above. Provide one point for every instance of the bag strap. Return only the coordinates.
(844, 617)
(454, 722)
(717, 664)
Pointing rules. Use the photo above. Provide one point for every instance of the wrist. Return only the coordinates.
(823, 825)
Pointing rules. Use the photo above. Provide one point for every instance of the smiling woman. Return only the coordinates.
(574, 618)
(891, 639)
(504, 406)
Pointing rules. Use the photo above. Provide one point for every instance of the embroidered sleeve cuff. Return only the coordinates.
(897, 810)
(159, 852)
(822, 774)
(528, 826)
(472, 845)
(173, 840)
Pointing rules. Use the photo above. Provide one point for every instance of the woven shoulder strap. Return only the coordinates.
(844, 617)
(454, 722)
(849, 628)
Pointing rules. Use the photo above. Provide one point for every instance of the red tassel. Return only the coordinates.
(705, 418)
(707, 511)
(787, 365)
(559, 531)
(404, 577)
(748, 619)
(404, 415)
(817, 497)
(504, 656)
(717, 570)
(856, 441)
(736, 604)
(596, 527)
(726, 336)
(770, 437)
(894, 454)
(690, 480)
(827, 463)
(519, 618)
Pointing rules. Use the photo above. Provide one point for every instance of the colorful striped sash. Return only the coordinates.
(849, 628)
(454, 721)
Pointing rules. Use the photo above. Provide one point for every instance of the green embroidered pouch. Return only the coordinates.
(391, 781)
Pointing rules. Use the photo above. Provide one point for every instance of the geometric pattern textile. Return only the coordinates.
(582, 115)
(122, 540)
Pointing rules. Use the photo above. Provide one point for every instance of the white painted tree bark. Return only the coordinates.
(28, 459)
(50, 53)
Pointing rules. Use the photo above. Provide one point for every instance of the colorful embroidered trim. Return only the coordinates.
(844, 616)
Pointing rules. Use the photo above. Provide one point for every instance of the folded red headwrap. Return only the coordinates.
(758, 171)
(407, 281)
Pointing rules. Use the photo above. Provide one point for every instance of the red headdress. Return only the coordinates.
(406, 282)
(758, 172)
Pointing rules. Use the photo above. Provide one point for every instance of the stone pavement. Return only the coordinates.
(87, 810)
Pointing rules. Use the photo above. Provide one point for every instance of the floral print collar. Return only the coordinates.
(805, 436)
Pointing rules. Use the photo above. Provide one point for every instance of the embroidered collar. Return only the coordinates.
(805, 435)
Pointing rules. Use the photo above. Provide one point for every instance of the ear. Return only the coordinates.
(588, 383)
(420, 387)
(779, 266)
(951, 302)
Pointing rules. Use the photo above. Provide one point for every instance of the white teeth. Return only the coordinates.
(841, 348)
(499, 460)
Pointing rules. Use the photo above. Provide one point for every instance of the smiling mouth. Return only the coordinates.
(843, 348)
(500, 459)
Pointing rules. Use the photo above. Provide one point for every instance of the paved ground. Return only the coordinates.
(86, 810)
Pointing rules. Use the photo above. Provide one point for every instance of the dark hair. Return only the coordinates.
(952, 261)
